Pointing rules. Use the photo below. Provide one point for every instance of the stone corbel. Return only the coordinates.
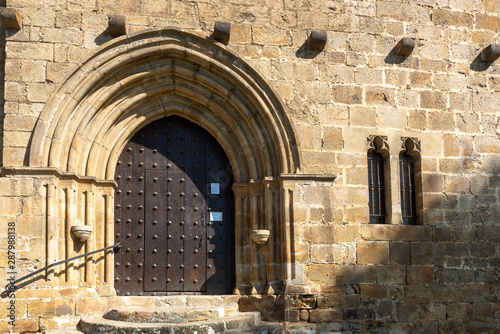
(118, 25)
(317, 40)
(222, 32)
(405, 46)
(11, 18)
(491, 53)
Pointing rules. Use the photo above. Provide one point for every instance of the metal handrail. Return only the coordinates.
(12, 286)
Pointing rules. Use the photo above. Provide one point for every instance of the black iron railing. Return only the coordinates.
(12, 286)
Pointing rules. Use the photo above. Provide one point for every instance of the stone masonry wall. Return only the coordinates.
(439, 277)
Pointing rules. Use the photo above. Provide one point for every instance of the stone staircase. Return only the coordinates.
(175, 315)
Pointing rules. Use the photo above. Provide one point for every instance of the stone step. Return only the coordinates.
(169, 314)
(98, 324)
(262, 328)
(174, 301)
(63, 331)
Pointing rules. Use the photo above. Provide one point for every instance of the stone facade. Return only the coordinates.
(296, 124)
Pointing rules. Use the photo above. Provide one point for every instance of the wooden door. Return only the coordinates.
(174, 212)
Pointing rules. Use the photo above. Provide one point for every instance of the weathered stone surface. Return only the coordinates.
(38, 308)
(373, 252)
(438, 277)
(324, 315)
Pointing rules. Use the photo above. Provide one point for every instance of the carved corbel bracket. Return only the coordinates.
(11, 18)
(405, 46)
(118, 25)
(410, 145)
(317, 40)
(378, 143)
(491, 53)
(222, 32)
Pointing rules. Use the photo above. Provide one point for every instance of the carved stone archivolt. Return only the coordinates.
(136, 79)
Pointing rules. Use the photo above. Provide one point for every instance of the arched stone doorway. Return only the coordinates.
(131, 82)
(174, 212)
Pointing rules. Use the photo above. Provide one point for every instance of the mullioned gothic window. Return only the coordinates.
(380, 178)
(410, 181)
(378, 169)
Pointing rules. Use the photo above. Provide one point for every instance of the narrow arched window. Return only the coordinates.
(376, 187)
(407, 181)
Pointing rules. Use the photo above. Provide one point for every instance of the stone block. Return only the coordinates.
(373, 252)
(40, 92)
(10, 206)
(310, 137)
(380, 96)
(346, 233)
(32, 50)
(434, 311)
(400, 253)
(35, 293)
(368, 76)
(301, 301)
(92, 305)
(459, 310)
(391, 275)
(446, 17)
(268, 306)
(432, 100)
(15, 91)
(392, 118)
(397, 11)
(321, 273)
(407, 312)
(419, 79)
(375, 292)
(270, 36)
(42, 17)
(353, 274)
(483, 101)
(322, 253)
(419, 275)
(332, 138)
(432, 182)
(363, 116)
(28, 325)
(329, 301)
(422, 253)
(417, 119)
(358, 215)
(20, 306)
(409, 99)
(347, 94)
(417, 294)
(325, 315)
(376, 232)
(37, 308)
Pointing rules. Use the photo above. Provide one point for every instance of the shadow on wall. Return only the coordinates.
(2, 85)
(443, 279)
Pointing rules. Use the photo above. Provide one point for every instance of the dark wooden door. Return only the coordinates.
(174, 212)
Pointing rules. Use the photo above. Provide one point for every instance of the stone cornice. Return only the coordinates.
(53, 171)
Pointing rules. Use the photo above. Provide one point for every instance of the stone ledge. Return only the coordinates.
(382, 232)
(53, 171)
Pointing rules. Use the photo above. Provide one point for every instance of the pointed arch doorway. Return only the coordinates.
(133, 81)
(174, 212)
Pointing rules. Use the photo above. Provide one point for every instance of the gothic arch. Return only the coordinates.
(133, 81)
(136, 79)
